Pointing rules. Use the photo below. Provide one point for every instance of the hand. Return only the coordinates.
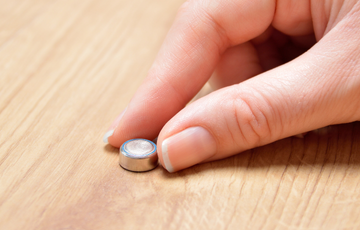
(242, 42)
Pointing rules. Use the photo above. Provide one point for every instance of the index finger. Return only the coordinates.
(202, 31)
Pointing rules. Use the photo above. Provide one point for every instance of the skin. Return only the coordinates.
(280, 68)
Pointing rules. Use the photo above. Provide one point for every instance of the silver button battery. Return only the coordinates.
(138, 155)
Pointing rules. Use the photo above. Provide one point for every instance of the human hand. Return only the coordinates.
(240, 40)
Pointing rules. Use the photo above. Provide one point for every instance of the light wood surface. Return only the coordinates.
(69, 67)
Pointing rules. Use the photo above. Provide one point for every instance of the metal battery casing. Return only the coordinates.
(138, 155)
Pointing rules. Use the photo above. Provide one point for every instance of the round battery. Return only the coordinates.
(138, 155)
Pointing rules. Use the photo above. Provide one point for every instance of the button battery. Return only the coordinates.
(138, 155)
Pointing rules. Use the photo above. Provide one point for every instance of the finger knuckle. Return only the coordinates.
(253, 116)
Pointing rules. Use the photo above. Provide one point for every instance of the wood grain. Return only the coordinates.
(68, 67)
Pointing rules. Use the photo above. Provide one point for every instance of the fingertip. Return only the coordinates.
(187, 148)
(108, 137)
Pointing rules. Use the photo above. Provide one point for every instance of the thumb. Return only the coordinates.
(305, 94)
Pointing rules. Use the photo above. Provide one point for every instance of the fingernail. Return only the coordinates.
(113, 126)
(107, 135)
(187, 148)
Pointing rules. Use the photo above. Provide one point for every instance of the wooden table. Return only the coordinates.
(68, 67)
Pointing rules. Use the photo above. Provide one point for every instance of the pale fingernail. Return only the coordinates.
(107, 135)
(113, 126)
(187, 148)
